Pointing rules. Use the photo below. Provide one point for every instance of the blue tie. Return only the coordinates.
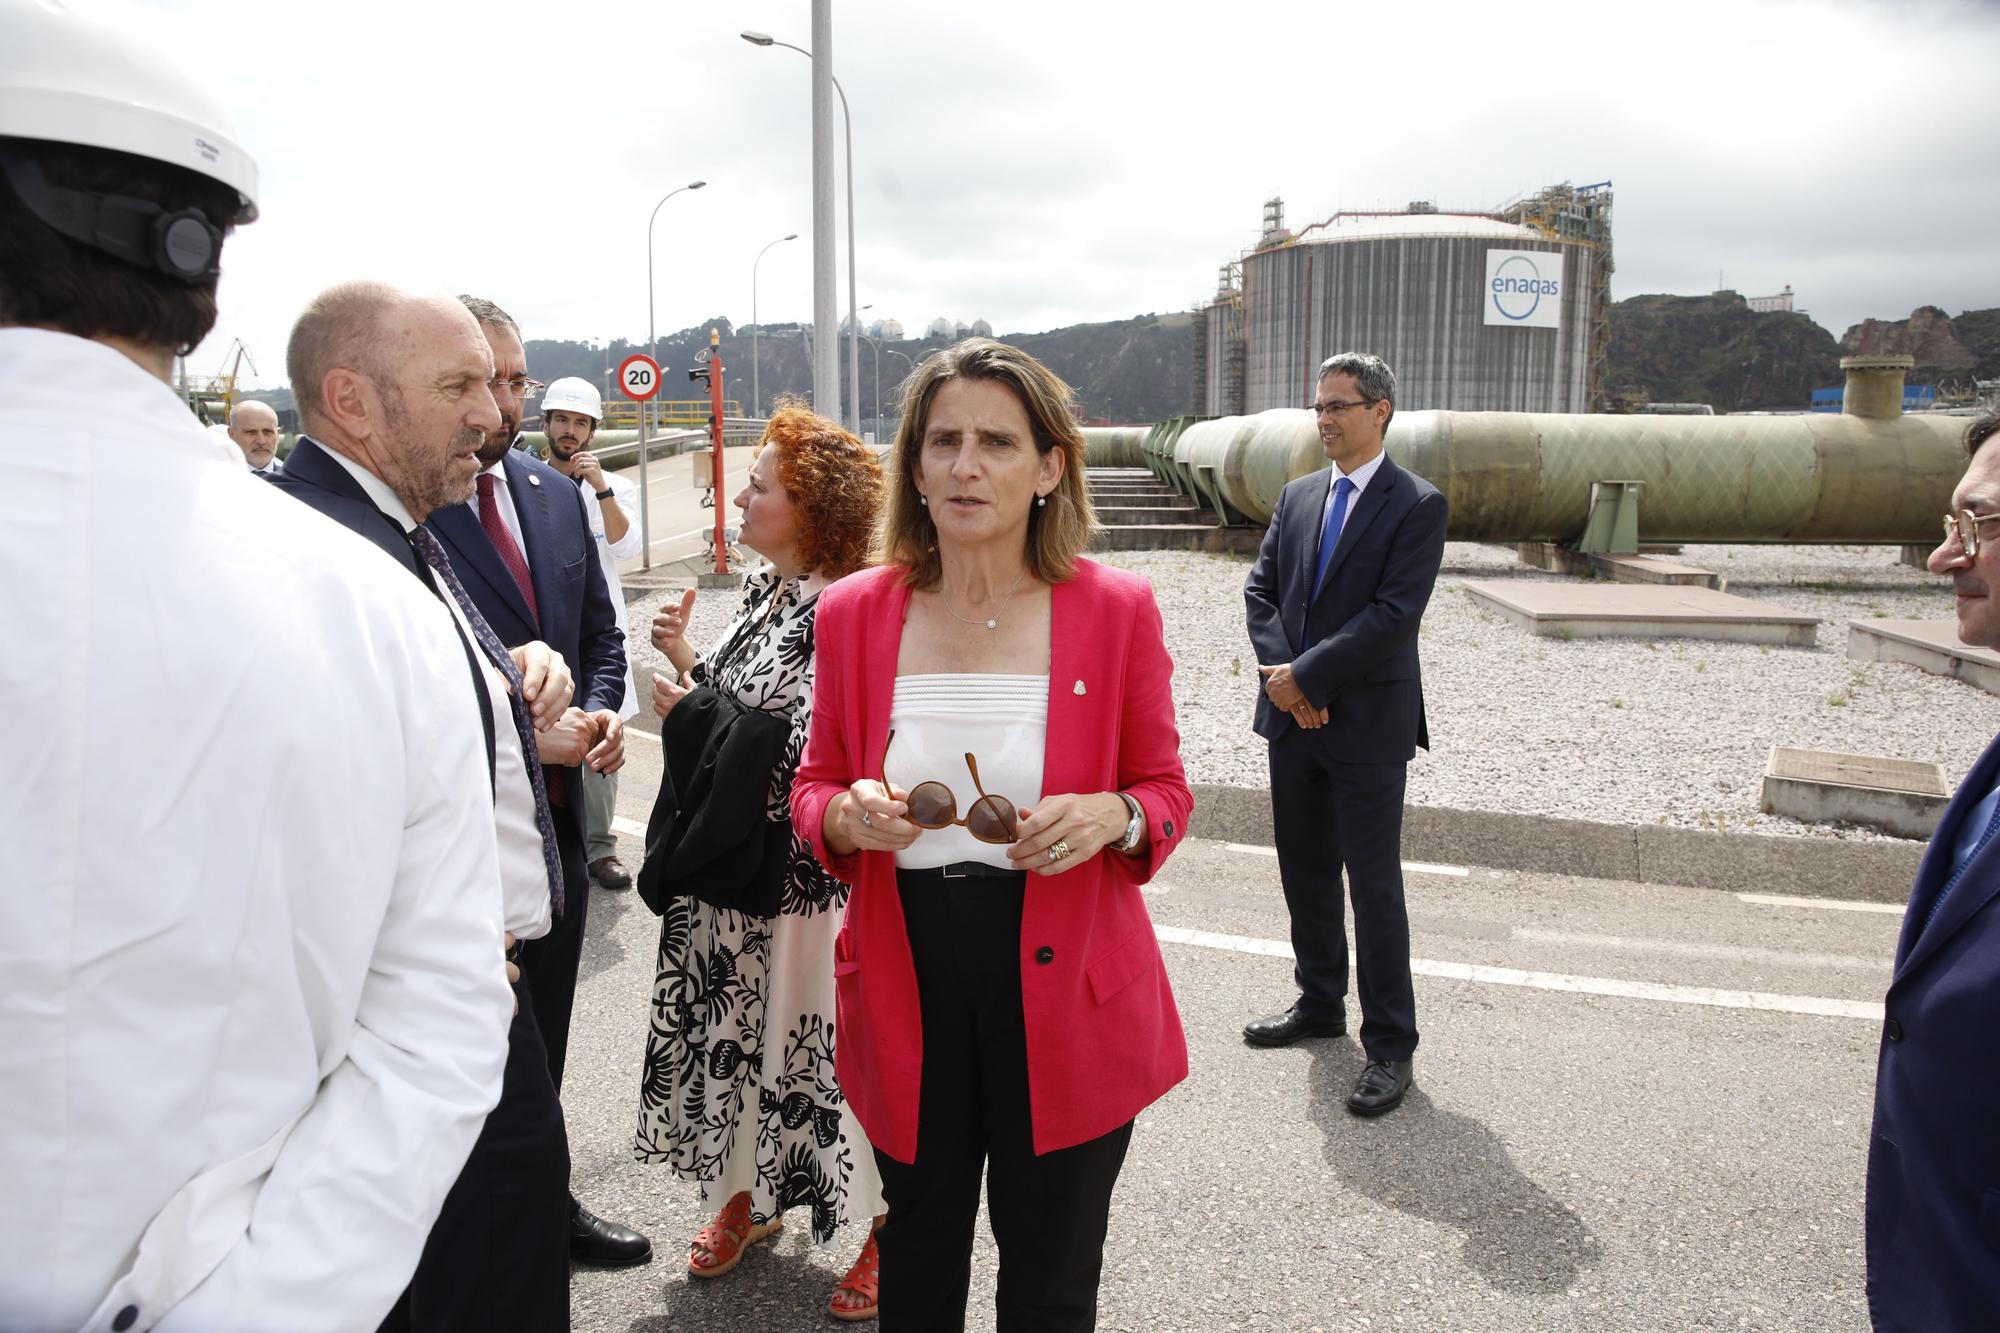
(496, 652)
(1329, 536)
(1992, 826)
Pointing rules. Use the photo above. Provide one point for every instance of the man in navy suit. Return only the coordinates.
(1934, 1157)
(1334, 601)
(523, 547)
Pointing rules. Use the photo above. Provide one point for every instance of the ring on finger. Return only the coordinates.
(866, 820)
(1059, 850)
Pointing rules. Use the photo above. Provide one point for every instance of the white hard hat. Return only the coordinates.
(69, 79)
(571, 394)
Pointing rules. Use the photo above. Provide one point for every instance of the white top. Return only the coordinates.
(609, 553)
(524, 872)
(250, 976)
(1002, 720)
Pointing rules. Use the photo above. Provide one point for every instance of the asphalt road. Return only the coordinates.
(1637, 1107)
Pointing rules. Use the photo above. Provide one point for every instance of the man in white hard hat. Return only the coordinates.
(571, 411)
(244, 1048)
(254, 428)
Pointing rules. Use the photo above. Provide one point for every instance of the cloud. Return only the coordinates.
(1048, 163)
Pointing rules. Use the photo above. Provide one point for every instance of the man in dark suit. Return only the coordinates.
(1334, 600)
(524, 549)
(393, 390)
(1934, 1158)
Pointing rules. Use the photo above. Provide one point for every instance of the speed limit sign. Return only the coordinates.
(639, 376)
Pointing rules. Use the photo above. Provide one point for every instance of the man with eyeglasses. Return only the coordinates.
(1934, 1160)
(524, 548)
(1334, 601)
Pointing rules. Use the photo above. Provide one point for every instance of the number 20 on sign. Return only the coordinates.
(639, 376)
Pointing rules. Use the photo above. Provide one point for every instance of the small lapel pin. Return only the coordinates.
(534, 480)
(1079, 687)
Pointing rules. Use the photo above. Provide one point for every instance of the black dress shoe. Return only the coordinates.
(1293, 1025)
(1381, 1087)
(592, 1240)
(607, 872)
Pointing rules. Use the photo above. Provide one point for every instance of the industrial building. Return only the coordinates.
(1502, 311)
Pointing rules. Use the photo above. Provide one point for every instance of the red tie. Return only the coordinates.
(504, 544)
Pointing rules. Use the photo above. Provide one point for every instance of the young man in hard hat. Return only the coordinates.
(244, 1048)
(571, 411)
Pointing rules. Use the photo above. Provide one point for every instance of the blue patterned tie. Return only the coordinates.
(1329, 536)
(1992, 826)
(428, 546)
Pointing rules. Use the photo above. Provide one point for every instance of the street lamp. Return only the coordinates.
(878, 372)
(652, 350)
(756, 398)
(652, 343)
(853, 314)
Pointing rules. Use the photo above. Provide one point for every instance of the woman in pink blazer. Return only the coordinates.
(993, 765)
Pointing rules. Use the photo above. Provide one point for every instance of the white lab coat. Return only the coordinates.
(609, 553)
(252, 1010)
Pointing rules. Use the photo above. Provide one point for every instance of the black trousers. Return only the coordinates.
(553, 959)
(1327, 816)
(498, 1257)
(1049, 1213)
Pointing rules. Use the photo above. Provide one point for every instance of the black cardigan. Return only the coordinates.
(708, 837)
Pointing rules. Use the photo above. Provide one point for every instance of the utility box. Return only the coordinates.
(1898, 796)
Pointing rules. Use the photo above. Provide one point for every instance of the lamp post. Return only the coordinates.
(652, 350)
(652, 343)
(756, 398)
(878, 372)
(853, 313)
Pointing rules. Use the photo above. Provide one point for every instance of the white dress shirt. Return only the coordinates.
(1361, 476)
(609, 553)
(252, 1008)
(524, 873)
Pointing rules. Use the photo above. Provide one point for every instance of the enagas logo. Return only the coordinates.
(1524, 288)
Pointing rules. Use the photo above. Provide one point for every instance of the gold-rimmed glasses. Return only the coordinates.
(933, 806)
(1963, 524)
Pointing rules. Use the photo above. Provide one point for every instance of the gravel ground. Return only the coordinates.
(1670, 731)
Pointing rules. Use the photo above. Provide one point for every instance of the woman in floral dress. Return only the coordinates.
(739, 1090)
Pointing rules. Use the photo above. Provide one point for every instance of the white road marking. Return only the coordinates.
(1555, 981)
(629, 827)
(1416, 867)
(1734, 953)
(630, 732)
(1830, 904)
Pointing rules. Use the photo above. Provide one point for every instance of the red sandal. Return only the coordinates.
(725, 1239)
(864, 1281)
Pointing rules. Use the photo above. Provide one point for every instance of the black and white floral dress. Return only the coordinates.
(739, 1091)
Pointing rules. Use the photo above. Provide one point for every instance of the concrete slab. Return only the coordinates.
(1177, 537)
(1653, 569)
(1871, 871)
(1629, 611)
(1552, 556)
(1929, 645)
(1898, 796)
(1149, 510)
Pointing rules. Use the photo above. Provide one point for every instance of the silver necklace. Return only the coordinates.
(994, 621)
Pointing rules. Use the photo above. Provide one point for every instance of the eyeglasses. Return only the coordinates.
(1964, 525)
(1333, 405)
(932, 805)
(520, 386)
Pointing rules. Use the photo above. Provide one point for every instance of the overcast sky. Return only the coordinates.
(1044, 163)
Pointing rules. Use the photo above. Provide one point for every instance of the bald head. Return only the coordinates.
(399, 384)
(254, 428)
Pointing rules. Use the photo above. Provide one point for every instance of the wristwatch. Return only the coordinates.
(1133, 826)
(605, 494)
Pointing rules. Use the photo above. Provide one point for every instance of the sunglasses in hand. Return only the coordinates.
(933, 806)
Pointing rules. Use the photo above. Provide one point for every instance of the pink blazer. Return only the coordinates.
(1104, 1037)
